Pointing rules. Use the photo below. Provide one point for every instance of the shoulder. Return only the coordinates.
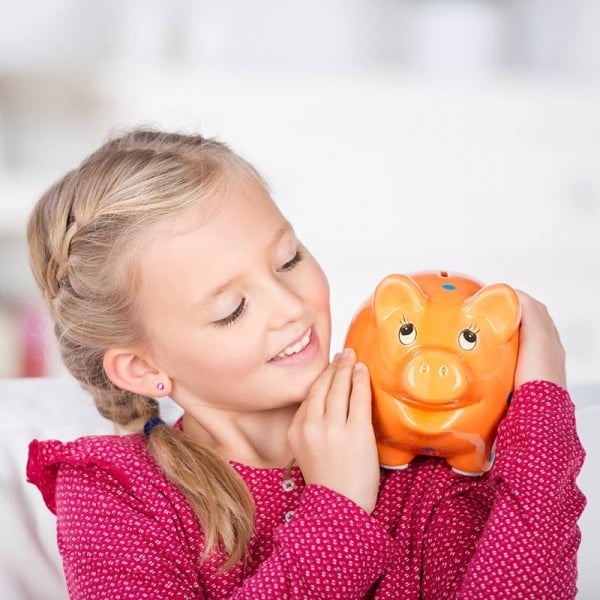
(122, 459)
(116, 513)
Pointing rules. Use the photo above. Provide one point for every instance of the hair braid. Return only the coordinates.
(82, 238)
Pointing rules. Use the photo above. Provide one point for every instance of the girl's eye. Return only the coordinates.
(234, 316)
(288, 266)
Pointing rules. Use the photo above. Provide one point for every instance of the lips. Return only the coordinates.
(295, 347)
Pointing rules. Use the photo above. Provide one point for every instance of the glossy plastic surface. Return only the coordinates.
(441, 350)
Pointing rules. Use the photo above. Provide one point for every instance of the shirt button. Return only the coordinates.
(288, 516)
(288, 485)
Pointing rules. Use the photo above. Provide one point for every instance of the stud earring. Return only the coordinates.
(160, 386)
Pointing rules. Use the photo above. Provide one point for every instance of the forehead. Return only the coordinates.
(224, 234)
(230, 208)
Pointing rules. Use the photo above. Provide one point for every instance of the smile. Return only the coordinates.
(296, 347)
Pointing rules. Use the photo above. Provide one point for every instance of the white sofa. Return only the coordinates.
(30, 567)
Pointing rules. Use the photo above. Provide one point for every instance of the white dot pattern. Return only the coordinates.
(125, 532)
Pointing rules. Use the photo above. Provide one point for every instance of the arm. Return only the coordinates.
(519, 527)
(530, 540)
(114, 544)
(331, 549)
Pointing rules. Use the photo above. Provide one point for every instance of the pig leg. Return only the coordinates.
(471, 464)
(394, 458)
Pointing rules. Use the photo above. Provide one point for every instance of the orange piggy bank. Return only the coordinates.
(441, 350)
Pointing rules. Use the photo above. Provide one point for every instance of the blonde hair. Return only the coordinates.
(82, 239)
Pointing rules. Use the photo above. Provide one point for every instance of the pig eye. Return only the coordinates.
(467, 339)
(407, 334)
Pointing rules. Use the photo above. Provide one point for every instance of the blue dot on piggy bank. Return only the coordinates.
(449, 286)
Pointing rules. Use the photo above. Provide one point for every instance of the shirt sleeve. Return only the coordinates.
(519, 524)
(330, 549)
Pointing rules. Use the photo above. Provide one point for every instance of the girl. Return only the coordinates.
(169, 271)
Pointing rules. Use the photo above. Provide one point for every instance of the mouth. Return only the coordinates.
(294, 348)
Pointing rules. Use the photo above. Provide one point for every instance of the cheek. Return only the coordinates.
(320, 299)
(206, 354)
(318, 285)
(235, 350)
(219, 363)
(324, 308)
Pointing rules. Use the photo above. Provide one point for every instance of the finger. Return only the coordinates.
(360, 398)
(337, 402)
(535, 316)
(541, 353)
(314, 405)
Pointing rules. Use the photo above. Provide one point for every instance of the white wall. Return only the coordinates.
(388, 152)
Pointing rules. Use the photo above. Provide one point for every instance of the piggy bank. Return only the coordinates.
(441, 350)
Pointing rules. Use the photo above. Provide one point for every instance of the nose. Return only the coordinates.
(285, 303)
(435, 377)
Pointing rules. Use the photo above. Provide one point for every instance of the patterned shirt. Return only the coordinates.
(124, 531)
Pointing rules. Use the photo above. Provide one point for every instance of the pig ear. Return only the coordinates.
(397, 292)
(499, 305)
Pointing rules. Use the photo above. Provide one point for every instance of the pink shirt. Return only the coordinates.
(125, 532)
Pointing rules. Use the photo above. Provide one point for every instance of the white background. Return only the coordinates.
(396, 135)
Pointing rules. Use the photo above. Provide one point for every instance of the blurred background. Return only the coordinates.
(397, 135)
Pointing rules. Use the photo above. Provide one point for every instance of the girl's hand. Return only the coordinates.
(332, 433)
(541, 353)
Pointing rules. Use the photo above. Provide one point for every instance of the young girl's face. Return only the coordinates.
(236, 310)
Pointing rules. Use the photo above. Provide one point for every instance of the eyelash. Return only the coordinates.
(237, 313)
(234, 316)
(288, 266)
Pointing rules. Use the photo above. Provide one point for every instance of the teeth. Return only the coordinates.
(297, 347)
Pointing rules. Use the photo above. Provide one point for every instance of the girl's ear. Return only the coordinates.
(130, 371)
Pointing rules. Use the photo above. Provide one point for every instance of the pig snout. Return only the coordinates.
(435, 377)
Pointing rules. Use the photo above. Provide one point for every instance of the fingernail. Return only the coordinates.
(347, 352)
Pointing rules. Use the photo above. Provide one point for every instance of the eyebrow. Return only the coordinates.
(279, 234)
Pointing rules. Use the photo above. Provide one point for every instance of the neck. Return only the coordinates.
(255, 439)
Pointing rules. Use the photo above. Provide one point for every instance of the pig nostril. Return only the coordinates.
(424, 369)
(443, 371)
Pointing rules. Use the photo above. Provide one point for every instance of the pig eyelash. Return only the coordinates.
(473, 328)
